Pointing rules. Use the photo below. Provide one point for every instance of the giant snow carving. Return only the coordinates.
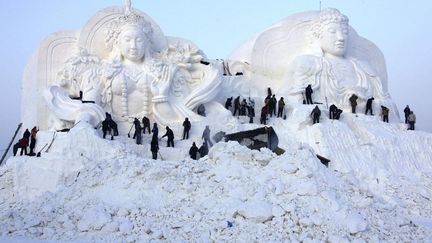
(120, 63)
(317, 48)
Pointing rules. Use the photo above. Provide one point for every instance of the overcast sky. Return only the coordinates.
(401, 29)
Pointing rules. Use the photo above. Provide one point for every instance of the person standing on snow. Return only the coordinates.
(281, 107)
(411, 120)
(146, 124)
(206, 136)
(407, 112)
(186, 128)
(309, 92)
(236, 105)
(353, 101)
(33, 141)
(155, 130)
(154, 147)
(228, 103)
(138, 131)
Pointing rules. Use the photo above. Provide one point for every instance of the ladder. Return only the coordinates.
(10, 143)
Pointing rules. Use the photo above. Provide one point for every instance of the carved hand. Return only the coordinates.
(160, 87)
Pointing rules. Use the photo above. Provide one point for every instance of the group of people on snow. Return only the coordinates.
(241, 107)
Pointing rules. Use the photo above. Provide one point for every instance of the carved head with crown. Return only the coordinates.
(128, 37)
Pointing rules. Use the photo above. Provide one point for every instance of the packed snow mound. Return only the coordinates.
(111, 191)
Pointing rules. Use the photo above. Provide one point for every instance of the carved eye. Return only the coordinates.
(345, 31)
(331, 30)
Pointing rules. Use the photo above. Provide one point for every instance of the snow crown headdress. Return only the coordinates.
(327, 16)
(129, 18)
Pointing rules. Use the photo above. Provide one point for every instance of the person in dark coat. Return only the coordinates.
(263, 118)
(206, 136)
(154, 147)
(353, 101)
(251, 110)
(274, 103)
(308, 93)
(186, 128)
(243, 106)
(27, 134)
(281, 107)
(316, 113)
(269, 92)
(236, 105)
(170, 136)
(21, 144)
(337, 114)
(201, 110)
(407, 111)
(385, 113)
(155, 130)
(228, 103)
(146, 124)
(33, 141)
(106, 128)
(369, 106)
(271, 105)
(332, 111)
(203, 150)
(193, 151)
(138, 131)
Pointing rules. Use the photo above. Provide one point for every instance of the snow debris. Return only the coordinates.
(87, 189)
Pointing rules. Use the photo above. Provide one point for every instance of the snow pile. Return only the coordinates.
(110, 191)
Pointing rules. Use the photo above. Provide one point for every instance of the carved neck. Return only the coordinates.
(333, 57)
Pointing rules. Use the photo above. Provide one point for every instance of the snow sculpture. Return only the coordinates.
(317, 48)
(125, 66)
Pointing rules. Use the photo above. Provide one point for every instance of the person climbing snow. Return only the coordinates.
(369, 106)
(316, 113)
(385, 113)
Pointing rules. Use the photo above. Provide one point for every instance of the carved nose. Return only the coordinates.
(133, 44)
(340, 36)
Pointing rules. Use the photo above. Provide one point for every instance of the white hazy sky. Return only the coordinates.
(401, 29)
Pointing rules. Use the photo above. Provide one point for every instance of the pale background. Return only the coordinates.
(401, 29)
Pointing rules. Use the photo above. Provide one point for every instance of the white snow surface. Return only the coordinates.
(377, 187)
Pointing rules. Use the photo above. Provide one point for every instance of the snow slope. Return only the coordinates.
(377, 187)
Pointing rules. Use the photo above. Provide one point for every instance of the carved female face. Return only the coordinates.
(132, 43)
(334, 38)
